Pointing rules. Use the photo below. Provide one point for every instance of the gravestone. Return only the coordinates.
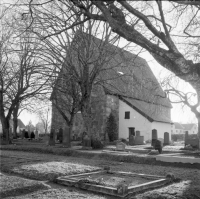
(120, 146)
(10, 133)
(166, 138)
(131, 136)
(137, 133)
(29, 131)
(83, 135)
(32, 135)
(36, 135)
(154, 137)
(23, 133)
(158, 146)
(52, 138)
(45, 139)
(26, 135)
(86, 142)
(131, 140)
(186, 137)
(139, 140)
(60, 135)
(66, 137)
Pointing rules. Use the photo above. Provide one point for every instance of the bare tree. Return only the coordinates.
(176, 95)
(21, 74)
(66, 98)
(79, 59)
(150, 26)
(45, 118)
(169, 31)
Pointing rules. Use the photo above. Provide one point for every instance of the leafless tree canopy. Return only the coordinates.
(168, 30)
(23, 74)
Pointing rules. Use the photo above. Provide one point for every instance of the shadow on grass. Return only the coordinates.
(22, 191)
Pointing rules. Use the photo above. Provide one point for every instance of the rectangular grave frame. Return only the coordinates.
(71, 180)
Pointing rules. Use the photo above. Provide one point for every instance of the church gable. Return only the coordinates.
(127, 77)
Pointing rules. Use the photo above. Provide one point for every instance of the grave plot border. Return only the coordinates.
(72, 180)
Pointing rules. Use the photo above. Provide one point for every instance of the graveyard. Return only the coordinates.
(47, 168)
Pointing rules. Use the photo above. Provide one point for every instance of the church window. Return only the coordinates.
(127, 115)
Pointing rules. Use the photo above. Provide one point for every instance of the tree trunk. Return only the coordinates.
(70, 133)
(45, 128)
(15, 121)
(88, 123)
(5, 120)
(6, 128)
(198, 133)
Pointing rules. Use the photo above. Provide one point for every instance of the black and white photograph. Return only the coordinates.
(99, 99)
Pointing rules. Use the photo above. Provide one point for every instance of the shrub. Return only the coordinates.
(124, 141)
(111, 128)
(176, 137)
(97, 144)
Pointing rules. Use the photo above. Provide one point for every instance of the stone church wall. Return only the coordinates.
(102, 105)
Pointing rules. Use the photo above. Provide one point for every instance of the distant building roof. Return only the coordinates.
(178, 126)
(188, 126)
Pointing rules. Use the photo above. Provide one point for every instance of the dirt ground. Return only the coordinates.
(43, 167)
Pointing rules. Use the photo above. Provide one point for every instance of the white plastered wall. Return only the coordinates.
(194, 130)
(161, 128)
(139, 122)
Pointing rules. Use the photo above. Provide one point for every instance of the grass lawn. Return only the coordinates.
(14, 186)
(48, 166)
(51, 170)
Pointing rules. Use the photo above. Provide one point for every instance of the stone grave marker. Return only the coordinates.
(131, 136)
(158, 146)
(166, 138)
(131, 140)
(83, 136)
(137, 133)
(154, 137)
(45, 139)
(60, 135)
(86, 142)
(120, 146)
(36, 135)
(52, 138)
(66, 137)
(23, 134)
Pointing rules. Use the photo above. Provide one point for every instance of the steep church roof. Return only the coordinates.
(127, 75)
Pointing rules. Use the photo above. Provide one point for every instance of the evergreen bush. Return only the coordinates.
(111, 128)
(97, 144)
